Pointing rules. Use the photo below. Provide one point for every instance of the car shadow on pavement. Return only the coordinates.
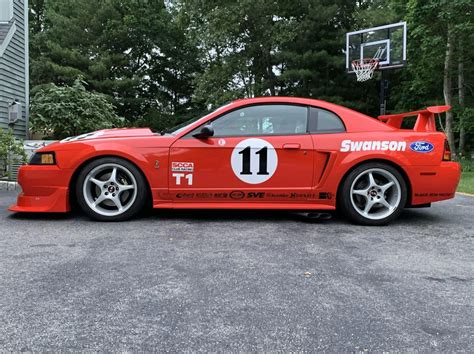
(235, 215)
(45, 216)
(408, 216)
(414, 215)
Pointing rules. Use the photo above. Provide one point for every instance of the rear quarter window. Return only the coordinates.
(324, 121)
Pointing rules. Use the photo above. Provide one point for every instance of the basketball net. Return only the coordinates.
(364, 68)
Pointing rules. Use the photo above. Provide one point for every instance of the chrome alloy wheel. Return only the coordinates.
(110, 189)
(375, 193)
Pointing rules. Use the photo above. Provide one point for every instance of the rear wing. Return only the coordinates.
(424, 123)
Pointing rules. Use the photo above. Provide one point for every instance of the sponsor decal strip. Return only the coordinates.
(434, 194)
(236, 195)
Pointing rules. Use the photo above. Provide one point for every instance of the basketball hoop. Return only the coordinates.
(364, 68)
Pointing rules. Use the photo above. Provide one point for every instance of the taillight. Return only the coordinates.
(447, 151)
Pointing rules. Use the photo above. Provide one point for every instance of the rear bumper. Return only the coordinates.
(434, 183)
(44, 189)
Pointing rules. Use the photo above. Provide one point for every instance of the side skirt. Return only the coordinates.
(260, 206)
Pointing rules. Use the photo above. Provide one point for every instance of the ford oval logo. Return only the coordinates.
(421, 146)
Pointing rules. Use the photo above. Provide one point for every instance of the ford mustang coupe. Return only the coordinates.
(259, 153)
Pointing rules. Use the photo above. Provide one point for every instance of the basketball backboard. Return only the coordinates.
(386, 43)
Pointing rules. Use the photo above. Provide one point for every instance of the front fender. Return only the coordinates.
(151, 161)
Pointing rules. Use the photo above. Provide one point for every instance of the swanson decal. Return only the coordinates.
(385, 145)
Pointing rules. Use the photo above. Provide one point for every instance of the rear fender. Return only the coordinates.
(394, 162)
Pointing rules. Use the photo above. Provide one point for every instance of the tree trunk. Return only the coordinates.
(271, 80)
(461, 94)
(447, 88)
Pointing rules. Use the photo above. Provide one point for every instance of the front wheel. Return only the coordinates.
(111, 189)
(373, 194)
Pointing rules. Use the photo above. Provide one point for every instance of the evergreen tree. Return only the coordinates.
(132, 51)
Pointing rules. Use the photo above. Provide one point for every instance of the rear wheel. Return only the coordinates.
(111, 189)
(373, 194)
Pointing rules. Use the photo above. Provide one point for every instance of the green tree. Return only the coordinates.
(440, 34)
(160, 62)
(440, 58)
(132, 51)
(253, 48)
(62, 111)
(313, 62)
(236, 42)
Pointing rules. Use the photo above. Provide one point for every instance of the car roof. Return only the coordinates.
(353, 120)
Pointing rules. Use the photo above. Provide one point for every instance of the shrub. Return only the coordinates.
(467, 165)
(62, 111)
(11, 152)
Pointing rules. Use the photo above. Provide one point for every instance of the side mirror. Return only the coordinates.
(205, 132)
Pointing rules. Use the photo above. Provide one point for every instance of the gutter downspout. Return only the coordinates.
(27, 69)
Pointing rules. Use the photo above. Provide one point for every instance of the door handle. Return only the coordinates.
(292, 146)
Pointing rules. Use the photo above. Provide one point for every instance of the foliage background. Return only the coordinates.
(161, 62)
(62, 111)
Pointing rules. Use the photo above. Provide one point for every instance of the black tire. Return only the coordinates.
(135, 207)
(344, 198)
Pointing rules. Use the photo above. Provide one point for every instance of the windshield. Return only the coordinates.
(183, 126)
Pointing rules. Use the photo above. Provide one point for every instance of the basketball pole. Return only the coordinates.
(383, 88)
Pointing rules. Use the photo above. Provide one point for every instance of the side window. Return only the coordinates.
(6, 11)
(268, 119)
(325, 122)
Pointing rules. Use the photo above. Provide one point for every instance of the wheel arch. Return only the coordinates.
(77, 171)
(398, 167)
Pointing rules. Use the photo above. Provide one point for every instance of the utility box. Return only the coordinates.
(14, 112)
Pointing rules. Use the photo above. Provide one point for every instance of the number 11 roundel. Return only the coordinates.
(254, 160)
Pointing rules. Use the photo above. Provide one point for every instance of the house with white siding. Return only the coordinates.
(14, 75)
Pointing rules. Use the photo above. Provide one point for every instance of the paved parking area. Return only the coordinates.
(231, 280)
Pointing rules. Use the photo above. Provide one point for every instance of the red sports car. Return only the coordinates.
(260, 153)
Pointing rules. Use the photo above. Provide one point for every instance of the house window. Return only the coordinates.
(6, 10)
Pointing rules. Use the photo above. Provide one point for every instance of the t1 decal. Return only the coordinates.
(187, 176)
(254, 160)
(182, 167)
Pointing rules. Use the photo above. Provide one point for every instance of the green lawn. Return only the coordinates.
(467, 183)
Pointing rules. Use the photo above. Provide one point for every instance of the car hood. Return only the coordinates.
(111, 133)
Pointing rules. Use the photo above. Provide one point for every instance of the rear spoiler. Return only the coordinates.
(424, 123)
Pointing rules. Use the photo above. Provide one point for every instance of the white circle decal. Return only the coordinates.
(254, 160)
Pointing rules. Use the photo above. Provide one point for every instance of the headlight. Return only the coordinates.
(43, 158)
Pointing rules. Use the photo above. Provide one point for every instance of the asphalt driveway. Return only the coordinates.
(240, 281)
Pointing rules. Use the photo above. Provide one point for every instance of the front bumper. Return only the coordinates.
(44, 189)
(433, 184)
